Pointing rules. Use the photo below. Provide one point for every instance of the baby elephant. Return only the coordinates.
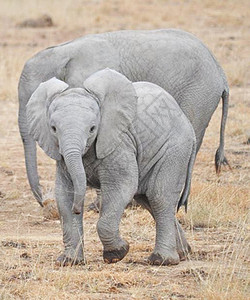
(129, 140)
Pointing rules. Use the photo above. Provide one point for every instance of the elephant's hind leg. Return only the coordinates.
(163, 193)
(183, 248)
(165, 251)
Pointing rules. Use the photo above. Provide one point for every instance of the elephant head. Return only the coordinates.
(66, 121)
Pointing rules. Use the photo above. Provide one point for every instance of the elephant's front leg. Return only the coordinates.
(71, 223)
(113, 204)
(117, 192)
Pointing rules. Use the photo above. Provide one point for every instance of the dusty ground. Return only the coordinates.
(217, 223)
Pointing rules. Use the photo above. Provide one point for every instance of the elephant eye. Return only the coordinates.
(92, 129)
(53, 129)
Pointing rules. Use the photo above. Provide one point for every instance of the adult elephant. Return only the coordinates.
(175, 60)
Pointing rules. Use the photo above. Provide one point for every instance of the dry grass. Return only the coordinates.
(217, 222)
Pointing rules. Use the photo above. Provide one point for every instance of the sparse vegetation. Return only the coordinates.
(217, 222)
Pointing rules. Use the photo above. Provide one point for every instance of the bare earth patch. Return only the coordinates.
(217, 222)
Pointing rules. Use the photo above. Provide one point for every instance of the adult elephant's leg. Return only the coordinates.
(71, 223)
(95, 206)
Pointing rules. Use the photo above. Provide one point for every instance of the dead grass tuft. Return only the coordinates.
(214, 205)
(50, 211)
(227, 279)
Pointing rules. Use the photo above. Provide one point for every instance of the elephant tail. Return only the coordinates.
(185, 193)
(220, 158)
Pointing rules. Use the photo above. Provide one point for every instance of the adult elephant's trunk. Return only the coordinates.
(73, 160)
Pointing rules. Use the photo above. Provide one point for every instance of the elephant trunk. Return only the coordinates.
(73, 160)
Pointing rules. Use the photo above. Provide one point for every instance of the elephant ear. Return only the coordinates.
(36, 112)
(118, 105)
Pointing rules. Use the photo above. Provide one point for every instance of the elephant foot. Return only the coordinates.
(113, 256)
(63, 261)
(184, 251)
(158, 260)
(93, 207)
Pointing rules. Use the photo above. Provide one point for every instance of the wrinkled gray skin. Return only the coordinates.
(175, 60)
(130, 140)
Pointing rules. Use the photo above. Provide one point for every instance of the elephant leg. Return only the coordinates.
(165, 251)
(95, 206)
(72, 224)
(164, 189)
(183, 248)
(117, 192)
(114, 202)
